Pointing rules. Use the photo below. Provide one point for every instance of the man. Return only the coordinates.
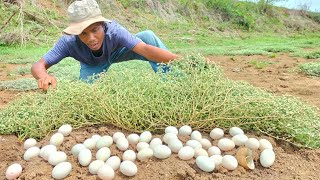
(96, 43)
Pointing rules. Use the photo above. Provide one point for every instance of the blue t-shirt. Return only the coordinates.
(115, 37)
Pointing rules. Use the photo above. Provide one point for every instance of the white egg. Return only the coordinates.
(106, 172)
(196, 135)
(114, 162)
(103, 154)
(133, 139)
(264, 144)
(216, 133)
(168, 137)
(229, 162)
(95, 166)
(129, 155)
(122, 143)
(56, 139)
(85, 157)
(226, 144)
(239, 139)
(57, 157)
(214, 150)
(205, 163)
(162, 152)
(194, 144)
(217, 159)
(185, 130)
(128, 168)
(89, 143)
(267, 158)
(95, 137)
(146, 136)
(155, 142)
(31, 153)
(117, 135)
(77, 148)
(145, 154)
(200, 152)
(206, 144)
(141, 145)
(47, 150)
(235, 130)
(186, 153)
(104, 141)
(252, 144)
(61, 170)
(13, 171)
(171, 129)
(65, 129)
(29, 143)
(175, 145)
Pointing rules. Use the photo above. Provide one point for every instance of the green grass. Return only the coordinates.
(312, 68)
(260, 64)
(21, 55)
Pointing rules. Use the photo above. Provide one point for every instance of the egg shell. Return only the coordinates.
(129, 155)
(217, 159)
(77, 148)
(95, 166)
(175, 145)
(229, 162)
(103, 154)
(146, 136)
(141, 145)
(31, 153)
(61, 170)
(186, 153)
(56, 139)
(171, 129)
(133, 139)
(122, 143)
(226, 144)
(114, 162)
(216, 133)
(206, 144)
(29, 143)
(65, 129)
(235, 130)
(162, 152)
(145, 154)
(169, 137)
(155, 142)
(200, 152)
(89, 143)
(104, 141)
(95, 138)
(252, 144)
(244, 157)
(57, 157)
(196, 135)
(85, 157)
(264, 144)
(185, 130)
(239, 139)
(194, 144)
(117, 135)
(128, 168)
(205, 163)
(47, 150)
(267, 158)
(106, 172)
(13, 171)
(214, 150)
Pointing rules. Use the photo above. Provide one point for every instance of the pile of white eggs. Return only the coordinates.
(144, 146)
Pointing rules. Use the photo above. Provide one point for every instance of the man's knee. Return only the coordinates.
(147, 36)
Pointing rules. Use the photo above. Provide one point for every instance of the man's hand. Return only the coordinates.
(43, 83)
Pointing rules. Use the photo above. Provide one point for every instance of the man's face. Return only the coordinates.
(93, 36)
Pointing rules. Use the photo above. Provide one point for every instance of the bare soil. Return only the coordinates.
(280, 77)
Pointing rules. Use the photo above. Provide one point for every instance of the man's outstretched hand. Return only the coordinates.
(46, 81)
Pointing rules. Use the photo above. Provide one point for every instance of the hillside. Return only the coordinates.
(40, 22)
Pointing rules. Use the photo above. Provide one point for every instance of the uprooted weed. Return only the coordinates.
(194, 93)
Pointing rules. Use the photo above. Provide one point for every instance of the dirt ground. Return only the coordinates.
(280, 77)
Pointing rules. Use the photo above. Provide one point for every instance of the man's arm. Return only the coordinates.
(154, 53)
(39, 71)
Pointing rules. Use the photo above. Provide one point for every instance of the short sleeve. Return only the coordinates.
(58, 52)
(125, 38)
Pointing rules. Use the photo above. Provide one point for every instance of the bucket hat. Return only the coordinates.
(83, 13)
